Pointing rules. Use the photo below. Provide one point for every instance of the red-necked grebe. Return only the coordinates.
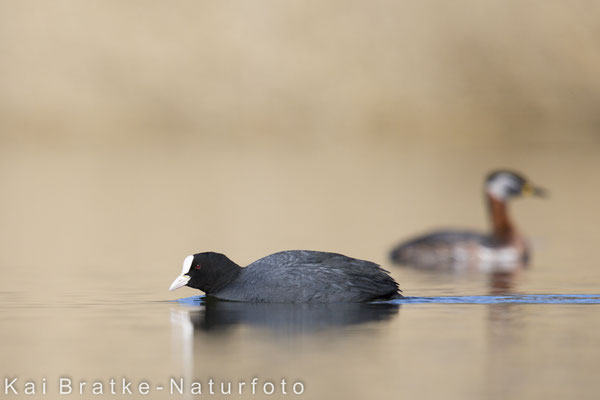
(504, 248)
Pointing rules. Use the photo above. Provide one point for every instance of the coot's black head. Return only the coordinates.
(208, 272)
(504, 184)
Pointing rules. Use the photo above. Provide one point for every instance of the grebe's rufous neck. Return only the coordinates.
(503, 249)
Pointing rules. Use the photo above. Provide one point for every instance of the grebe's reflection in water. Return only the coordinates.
(503, 283)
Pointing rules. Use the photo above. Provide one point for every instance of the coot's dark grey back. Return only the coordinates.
(301, 276)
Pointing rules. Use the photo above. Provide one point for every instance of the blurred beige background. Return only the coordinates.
(133, 133)
(303, 73)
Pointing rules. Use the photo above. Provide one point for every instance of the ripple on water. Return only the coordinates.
(506, 299)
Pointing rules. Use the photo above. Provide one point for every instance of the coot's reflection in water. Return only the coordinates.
(212, 315)
(267, 335)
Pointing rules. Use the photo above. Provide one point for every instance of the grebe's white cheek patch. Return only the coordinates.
(500, 187)
(187, 265)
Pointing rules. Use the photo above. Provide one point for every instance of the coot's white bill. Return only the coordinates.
(181, 280)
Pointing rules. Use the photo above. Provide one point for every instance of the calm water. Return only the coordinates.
(95, 237)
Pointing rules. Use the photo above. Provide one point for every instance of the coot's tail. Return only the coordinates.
(391, 296)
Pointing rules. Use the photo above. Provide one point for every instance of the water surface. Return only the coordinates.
(91, 240)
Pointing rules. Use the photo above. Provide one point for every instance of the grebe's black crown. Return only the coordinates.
(497, 174)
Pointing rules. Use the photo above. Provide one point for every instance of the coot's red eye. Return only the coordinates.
(198, 266)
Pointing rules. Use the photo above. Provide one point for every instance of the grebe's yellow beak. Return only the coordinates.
(530, 190)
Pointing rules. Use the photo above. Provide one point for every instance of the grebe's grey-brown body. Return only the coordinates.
(505, 248)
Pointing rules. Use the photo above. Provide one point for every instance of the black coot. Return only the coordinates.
(295, 276)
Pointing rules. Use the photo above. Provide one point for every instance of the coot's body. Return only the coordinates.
(295, 276)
